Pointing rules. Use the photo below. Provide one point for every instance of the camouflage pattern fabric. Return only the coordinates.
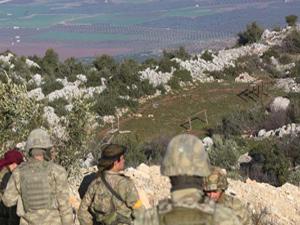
(8, 215)
(187, 207)
(185, 155)
(237, 207)
(59, 214)
(98, 203)
(216, 181)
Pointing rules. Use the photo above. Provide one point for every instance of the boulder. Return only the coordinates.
(279, 104)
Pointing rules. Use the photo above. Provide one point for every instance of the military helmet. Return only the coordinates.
(216, 181)
(38, 138)
(185, 155)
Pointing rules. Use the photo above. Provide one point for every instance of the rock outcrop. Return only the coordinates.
(279, 205)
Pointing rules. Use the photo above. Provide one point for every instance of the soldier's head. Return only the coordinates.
(215, 184)
(39, 144)
(185, 162)
(112, 158)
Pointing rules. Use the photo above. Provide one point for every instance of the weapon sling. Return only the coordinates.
(113, 192)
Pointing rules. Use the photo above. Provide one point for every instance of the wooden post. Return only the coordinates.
(206, 117)
(190, 123)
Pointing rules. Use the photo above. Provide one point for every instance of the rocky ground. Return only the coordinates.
(277, 206)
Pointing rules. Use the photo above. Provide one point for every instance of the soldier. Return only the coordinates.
(215, 186)
(9, 163)
(111, 197)
(186, 163)
(39, 187)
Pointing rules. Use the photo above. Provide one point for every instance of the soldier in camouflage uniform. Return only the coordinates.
(186, 163)
(111, 197)
(9, 163)
(215, 186)
(39, 187)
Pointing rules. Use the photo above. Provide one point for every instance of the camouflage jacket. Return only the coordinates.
(100, 205)
(60, 214)
(187, 207)
(240, 210)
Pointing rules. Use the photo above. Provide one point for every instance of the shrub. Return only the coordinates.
(105, 62)
(252, 34)
(294, 113)
(289, 145)
(19, 114)
(295, 72)
(276, 119)
(174, 83)
(183, 75)
(135, 154)
(165, 65)
(270, 164)
(224, 153)
(294, 177)
(291, 44)
(107, 102)
(207, 56)
(285, 59)
(180, 53)
(241, 121)
(291, 20)
(50, 62)
(51, 84)
(93, 79)
(79, 135)
(59, 106)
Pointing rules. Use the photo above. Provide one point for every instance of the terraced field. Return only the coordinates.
(86, 28)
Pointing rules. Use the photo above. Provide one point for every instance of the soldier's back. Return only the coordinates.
(240, 210)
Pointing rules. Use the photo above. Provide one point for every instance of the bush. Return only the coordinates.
(207, 56)
(165, 65)
(183, 75)
(105, 62)
(291, 20)
(79, 136)
(51, 84)
(59, 106)
(93, 78)
(50, 63)
(241, 121)
(19, 114)
(276, 119)
(270, 164)
(294, 177)
(291, 44)
(252, 34)
(135, 154)
(180, 53)
(285, 59)
(294, 113)
(107, 102)
(174, 83)
(295, 72)
(224, 153)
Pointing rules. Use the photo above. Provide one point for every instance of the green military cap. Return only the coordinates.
(111, 153)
